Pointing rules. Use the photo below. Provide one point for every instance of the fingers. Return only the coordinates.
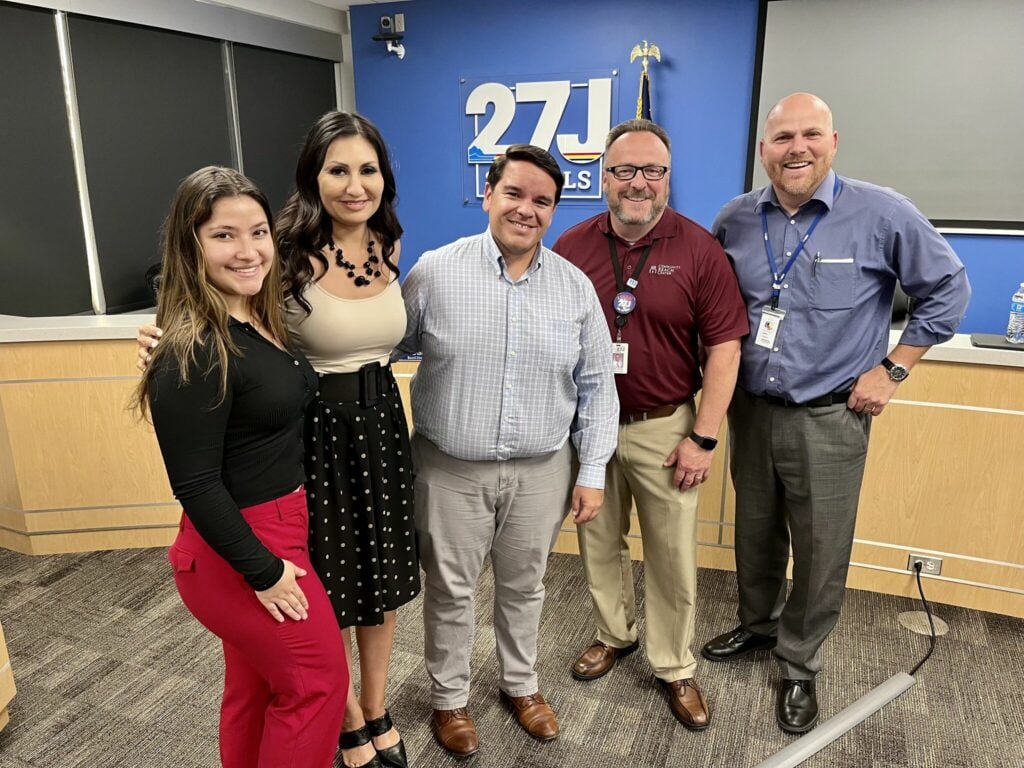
(292, 605)
(867, 407)
(286, 599)
(685, 479)
(294, 608)
(147, 340)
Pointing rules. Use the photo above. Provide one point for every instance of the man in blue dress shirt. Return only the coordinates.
(817, 257)
(516, 361)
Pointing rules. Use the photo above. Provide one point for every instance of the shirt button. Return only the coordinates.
(295, 361)
(785, 285)
(776, 349)
(512, 353)
(771, 378)
(789, 253)
(792, 221)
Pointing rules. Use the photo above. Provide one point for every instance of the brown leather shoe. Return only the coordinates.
(687, 703)
(598, 660)
(454, 730)
(534, 714)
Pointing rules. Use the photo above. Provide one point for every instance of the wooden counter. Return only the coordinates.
(7, 689)
(78, 472)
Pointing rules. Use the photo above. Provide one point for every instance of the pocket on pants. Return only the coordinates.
(181, 561)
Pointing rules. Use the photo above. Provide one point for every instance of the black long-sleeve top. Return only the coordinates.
(247, 449)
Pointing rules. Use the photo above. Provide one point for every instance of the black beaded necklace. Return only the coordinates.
(370, 266)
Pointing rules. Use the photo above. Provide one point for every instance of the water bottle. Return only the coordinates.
(1015, 329)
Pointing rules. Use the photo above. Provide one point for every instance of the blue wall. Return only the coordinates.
(702, 92)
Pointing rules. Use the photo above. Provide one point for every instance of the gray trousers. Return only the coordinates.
(797, 474)
(466, 510)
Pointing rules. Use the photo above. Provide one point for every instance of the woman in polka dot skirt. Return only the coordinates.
(339, 242)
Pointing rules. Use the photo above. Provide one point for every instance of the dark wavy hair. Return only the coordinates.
(304, 227)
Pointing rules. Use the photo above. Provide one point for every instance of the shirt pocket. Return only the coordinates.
(833, 283)
(560, 349)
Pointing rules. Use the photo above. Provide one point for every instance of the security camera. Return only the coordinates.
(387, 29)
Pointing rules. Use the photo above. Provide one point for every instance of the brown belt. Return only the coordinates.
(655, 413)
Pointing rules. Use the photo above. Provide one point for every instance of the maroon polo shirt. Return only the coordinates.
(687, 294)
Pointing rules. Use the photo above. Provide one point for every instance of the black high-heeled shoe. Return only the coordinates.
(357, 738)
(393, 756)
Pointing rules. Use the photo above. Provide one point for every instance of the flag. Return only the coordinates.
(643, 101)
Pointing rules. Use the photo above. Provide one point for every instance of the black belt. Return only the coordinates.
(365, 387)
(833, 398)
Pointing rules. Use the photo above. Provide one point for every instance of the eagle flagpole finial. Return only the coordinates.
(644, 51)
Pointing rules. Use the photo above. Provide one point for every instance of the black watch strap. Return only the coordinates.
(707, 443)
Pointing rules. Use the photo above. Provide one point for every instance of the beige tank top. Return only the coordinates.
(342, 335)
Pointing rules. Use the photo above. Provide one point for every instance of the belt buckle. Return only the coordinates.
(633, 418)
(371, 385)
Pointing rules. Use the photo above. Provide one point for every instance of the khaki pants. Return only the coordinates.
(668, 526)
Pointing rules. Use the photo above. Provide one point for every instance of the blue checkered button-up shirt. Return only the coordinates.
(510, 368)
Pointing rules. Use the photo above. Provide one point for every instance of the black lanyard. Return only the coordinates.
(777, 276)
(625, 300)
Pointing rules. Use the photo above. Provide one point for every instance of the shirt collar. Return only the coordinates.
(823, 194)
(493, 256)
(667, 226)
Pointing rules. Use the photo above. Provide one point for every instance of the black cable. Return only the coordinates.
(931, 624)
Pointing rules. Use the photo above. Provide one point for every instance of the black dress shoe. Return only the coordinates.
(797, 706)
(357, 738)
(393, 756)
(733, 645)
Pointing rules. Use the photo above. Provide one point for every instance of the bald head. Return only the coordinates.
(799, 103)
(797, 147)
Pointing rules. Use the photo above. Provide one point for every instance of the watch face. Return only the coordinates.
(898, 373)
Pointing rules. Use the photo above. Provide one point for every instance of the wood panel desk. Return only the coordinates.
(7, 689)
(78, 472)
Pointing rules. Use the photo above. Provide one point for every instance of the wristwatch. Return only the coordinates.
(707, 443)
(896, 371)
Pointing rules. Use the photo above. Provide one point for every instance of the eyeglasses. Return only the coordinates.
(627, 172)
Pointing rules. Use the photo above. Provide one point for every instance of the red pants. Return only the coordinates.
(285, 684)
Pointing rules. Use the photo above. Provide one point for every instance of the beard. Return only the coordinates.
(618, 210)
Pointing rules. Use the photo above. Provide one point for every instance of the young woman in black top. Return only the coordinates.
(227, 396)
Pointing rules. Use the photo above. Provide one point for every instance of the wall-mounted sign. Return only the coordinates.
(568, 117)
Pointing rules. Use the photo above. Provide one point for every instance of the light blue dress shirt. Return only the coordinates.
(510, 368)
(838, 295)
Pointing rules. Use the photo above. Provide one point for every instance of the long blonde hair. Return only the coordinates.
(191, 310)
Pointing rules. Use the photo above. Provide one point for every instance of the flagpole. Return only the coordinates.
(644, 51)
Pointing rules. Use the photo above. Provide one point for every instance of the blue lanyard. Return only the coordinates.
(777, 276)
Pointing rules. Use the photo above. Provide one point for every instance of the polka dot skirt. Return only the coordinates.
(362, 538)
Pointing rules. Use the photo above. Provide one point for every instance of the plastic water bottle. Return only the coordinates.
(1015, 329)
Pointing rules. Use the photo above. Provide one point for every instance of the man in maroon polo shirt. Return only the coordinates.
(670, 298)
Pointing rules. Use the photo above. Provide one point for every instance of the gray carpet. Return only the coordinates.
(112, 671)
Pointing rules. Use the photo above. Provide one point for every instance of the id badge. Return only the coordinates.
(620, 357)
(768, 328)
